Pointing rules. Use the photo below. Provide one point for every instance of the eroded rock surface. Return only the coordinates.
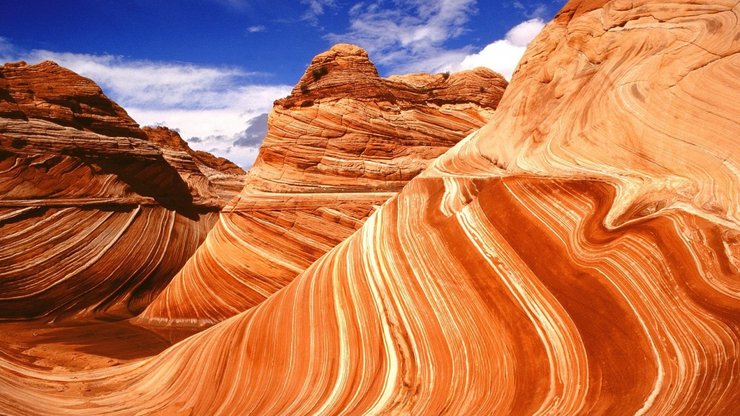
(202, 170)
(95, 218)
(578, 255)
(338, 147)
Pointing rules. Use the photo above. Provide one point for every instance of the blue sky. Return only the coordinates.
(208, 67)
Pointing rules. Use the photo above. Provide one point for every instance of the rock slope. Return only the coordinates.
(340, 145)
(94, 217)
(202, 169)
(578, 255)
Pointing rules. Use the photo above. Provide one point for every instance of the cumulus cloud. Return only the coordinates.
(409, 36)
(214, 104)
(503, 55)
(237, 106)
(241, 148)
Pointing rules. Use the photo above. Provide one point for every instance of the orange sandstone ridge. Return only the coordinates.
(95, 215)
(340, 145)
(577, 255)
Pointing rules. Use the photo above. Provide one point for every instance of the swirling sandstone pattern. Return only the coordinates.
(93, 218)
(340, 145)
(578, 255)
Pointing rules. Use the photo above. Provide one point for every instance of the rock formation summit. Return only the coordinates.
(96, 214)
(344, 128)
(339, 146)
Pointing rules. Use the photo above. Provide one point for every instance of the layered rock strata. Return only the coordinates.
(201, 169)
(94, 217)
(338, 147)
(578, 255)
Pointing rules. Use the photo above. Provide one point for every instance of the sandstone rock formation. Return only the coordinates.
(340, 145)
(578, 255)
(344, 129)
(93, 218)
(202, 169)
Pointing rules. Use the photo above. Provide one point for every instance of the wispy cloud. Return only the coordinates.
(6, 47)
(238, 5)
(256, 29)
(140, 82)
(316, 8)
(532, 9)
(212, 103)
(411, 34)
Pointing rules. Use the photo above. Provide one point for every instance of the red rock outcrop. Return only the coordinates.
(578, 255)
(93, 217)
(345, 129)
(202, 169)
(340, 145)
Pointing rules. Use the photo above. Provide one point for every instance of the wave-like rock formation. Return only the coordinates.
(341, 144)
(578, 255)
(94, 216)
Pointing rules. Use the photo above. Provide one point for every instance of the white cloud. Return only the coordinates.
(256, 29)
(523, 33)
(410, 36)
(503, 55)
(212, 103)
(223, 146)
(316, 8)
(137, 82)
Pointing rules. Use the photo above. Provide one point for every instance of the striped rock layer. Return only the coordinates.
(340, 145)
(94, 216)
(578, 255)
(222, 176)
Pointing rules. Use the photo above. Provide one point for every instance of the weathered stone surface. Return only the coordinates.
(578, 255)
(338, 147)
(47, 91)
(344, 128)
(204, 171)
(94, 216)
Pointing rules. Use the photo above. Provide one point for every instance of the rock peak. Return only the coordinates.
(333, 67)
(48, 63)
(345, 70)
(348, 49)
